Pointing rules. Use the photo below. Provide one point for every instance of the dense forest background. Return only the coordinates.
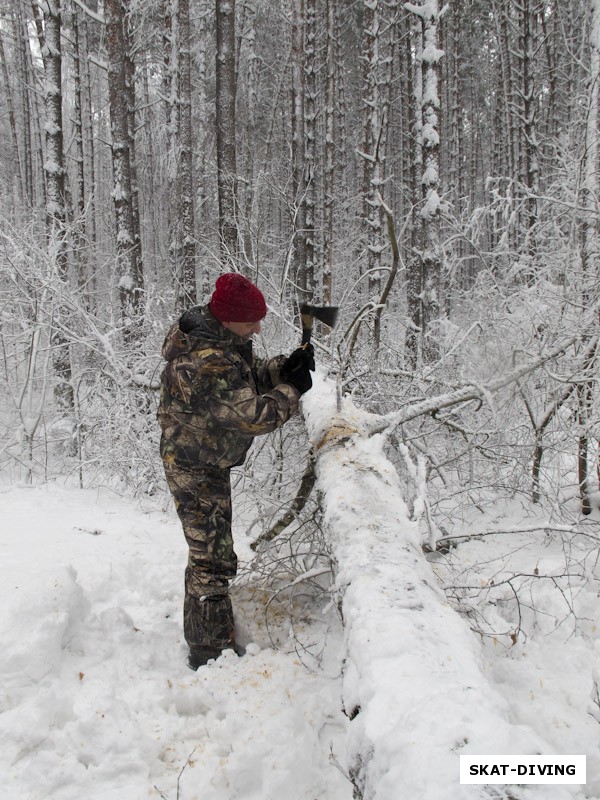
(430, 168)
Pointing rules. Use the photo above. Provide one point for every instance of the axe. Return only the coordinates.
(308, 314)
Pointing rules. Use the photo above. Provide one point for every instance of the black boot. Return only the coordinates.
(199, 656)
(208, 627)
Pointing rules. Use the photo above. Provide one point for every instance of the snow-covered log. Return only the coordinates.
(414, 684)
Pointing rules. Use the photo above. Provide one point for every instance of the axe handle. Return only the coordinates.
(307, 324)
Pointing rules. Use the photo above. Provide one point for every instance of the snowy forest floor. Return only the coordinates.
(97, 700)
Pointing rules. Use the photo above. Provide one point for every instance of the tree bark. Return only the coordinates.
(298, 152)
(247, 54)
(425, 281)
(308, 282)
(329, 171)
(529, 171)
(430, 180)
(590, 252)
(56, 203)
(226, 130)
(16, 159)
(373, 142)
(128, 246)
(187, 248)
(414, 281)
(79, 222)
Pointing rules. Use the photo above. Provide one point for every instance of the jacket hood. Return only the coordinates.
(197, 325)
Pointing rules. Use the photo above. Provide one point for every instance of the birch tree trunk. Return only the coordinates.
(226, 130)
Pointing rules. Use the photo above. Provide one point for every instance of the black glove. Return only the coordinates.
(302, 356)
(295, 370)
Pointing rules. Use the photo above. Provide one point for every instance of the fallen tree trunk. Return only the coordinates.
(414, 685)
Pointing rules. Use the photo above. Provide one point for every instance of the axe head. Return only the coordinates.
(326, 314)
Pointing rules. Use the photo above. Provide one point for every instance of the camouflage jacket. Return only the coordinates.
(215, 396)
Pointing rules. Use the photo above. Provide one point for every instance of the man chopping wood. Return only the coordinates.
(215, 398)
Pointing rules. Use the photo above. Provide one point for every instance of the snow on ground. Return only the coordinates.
(96, 700)
(546, 670)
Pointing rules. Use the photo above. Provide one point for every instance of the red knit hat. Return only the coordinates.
(236, 299)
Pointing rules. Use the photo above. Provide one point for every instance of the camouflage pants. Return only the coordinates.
(203, 502)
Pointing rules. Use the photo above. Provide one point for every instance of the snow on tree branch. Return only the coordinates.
(469, 392)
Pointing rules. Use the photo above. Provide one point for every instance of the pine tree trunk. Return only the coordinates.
(79, 224)
(16, 161)
(187, 257)
(120, 73)
(247, 192)
(430, 213)
(201, 35)
(529, 103)
(372, 150)
(308, 283)
(508, 165)
(414, 282)
(454, 127)
(90, 151)
(298, 136)
(424, 287)
(329, 172)
(170, 60)
(590, 253)
(341, 119)
(226, 130)
(56, 211)
(406, 123)
(32, 138)
(152, 187)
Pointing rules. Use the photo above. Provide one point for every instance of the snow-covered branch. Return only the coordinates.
(92, 14)
(469, 392)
